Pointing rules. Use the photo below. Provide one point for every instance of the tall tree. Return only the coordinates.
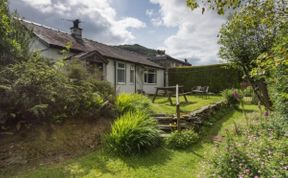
(14, 37)
(249, 32)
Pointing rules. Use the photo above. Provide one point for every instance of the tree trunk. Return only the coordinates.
(264, 93)
(260, 89)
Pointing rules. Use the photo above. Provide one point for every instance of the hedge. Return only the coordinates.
(218, 77)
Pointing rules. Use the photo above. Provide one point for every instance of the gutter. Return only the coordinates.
(115, 75)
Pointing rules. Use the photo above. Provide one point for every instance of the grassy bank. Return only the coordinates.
(162, 105)
(162, 162)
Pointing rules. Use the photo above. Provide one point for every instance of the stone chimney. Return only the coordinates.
(76, 31)
(185, 60)
(160, 52)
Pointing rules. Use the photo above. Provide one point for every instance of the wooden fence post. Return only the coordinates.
(177, 108)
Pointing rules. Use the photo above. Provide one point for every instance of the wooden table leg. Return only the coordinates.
(170, 100)
(184, 95)
(155, 95)
(186, 100)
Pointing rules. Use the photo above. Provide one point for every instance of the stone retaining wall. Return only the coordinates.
(193, 120)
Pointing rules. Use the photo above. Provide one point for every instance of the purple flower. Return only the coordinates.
(266, 113)
(236, 95)
(247, 171)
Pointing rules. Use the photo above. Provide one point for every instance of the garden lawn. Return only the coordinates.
(162, 162)
(162, 105)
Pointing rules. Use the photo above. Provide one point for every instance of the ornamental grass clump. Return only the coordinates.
(132, 103)
(181, 139)
(133, 133)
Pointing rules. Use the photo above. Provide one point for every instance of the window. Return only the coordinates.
(121, 73)
(132, 74)
(150, 76)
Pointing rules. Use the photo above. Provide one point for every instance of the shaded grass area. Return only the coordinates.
(162, 162)
(162, 105)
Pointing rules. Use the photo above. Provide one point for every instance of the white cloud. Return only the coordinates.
(98, 13)
(196, 38)
(149, 12)
(38, 2)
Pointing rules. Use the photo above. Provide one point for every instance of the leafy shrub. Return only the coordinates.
(133, 102)
(132, 133)
(231, 96)
(35, 89)
(259, 152)
(92, 92)
(181, 139)
(248, 91)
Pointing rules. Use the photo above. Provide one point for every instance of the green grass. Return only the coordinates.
(162, 105)
(162, 162)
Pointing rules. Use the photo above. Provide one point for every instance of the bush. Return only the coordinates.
(33, 90)
(36, 90)
(133, 102)
(181, 139)
(132, 133)
(232, 96)
(92, 92)
(261, 151)
(248, 91)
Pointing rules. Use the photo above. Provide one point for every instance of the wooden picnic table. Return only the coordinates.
(168, 92)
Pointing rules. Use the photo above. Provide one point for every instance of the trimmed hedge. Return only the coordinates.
(218, 77)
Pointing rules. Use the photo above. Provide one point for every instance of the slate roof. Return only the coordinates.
(167, 57)
(56, 38)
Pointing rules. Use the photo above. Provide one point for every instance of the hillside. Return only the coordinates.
(139, 49)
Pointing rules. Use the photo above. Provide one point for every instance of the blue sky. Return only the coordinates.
(158, 24)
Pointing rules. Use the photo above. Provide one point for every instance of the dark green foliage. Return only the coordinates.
(79, 74)
(133, 133)
(133, 102)
(14, 37)
(232, 96)
(280, 74)
(34, 89)
(217, 77)
(248, 92)
(181, 139)
(139, 49)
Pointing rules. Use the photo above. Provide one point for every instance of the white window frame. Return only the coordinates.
(120, 68)
(147, 72)
(132, 68)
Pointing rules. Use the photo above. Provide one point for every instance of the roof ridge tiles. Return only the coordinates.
(41, 25)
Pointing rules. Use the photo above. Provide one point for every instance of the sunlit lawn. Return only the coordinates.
(162, 162)
(162, 105)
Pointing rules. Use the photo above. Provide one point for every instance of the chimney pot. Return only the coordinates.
(76, 31)
(160, 52)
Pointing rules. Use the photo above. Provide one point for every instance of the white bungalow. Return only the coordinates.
(126, 71)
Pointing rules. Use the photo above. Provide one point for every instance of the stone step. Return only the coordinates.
(169, 128)
(165, 135)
